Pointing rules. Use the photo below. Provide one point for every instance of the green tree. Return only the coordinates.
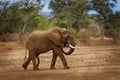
(73, 10)
(9, 19)
(28, 12)
(58, 6)
(40, 22)
(113, 27)
(17, 16)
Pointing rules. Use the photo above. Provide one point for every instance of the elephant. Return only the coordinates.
(40, 42)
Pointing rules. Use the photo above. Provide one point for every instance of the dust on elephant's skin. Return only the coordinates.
(42, 41)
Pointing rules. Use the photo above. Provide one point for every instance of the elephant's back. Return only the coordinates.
(38, 41)
(37, 34)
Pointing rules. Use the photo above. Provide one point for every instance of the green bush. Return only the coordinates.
(38, 23)
(60, 22)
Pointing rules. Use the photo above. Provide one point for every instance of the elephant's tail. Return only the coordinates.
(38, 61)
(25, 54)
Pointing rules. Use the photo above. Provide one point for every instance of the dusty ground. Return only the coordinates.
(87, 63)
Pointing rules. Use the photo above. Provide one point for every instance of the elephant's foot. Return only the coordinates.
(24, 66)
(67, 67)
(36, 68)
(52, 68)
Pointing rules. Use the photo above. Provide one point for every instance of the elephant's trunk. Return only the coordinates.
(72, 48)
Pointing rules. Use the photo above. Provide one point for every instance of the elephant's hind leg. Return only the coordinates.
(25, 64)
(34, 63)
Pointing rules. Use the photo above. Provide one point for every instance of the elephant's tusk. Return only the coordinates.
(71, 46)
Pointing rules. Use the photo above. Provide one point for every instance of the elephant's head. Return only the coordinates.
(62, 36)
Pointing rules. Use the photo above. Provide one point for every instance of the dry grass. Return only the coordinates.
(99, 41)
(87, 63)
(5, 46)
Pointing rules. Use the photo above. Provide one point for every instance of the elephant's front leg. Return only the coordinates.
(54, 57)
(60, 54)
(34, 63)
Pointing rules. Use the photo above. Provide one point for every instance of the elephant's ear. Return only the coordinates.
(55, 37)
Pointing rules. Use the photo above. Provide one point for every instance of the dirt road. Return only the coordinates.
(87, 63)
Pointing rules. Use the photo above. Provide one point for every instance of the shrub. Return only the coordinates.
(116, 36)
(94, 30)
(9, 37)
(84, 36)
(63, 24)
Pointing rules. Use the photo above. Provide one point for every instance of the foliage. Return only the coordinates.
(23, 15)
(16, 16)
(114, 21)
(113, 28)
(58, 6)
(62, 23)
(41, 22)
(9, 18)
(74, 10)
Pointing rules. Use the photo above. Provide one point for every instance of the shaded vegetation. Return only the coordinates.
(24, 16)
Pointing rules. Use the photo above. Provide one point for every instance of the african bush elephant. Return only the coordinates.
(42, 41)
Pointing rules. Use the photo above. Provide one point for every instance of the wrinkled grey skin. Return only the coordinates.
(40, 42)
